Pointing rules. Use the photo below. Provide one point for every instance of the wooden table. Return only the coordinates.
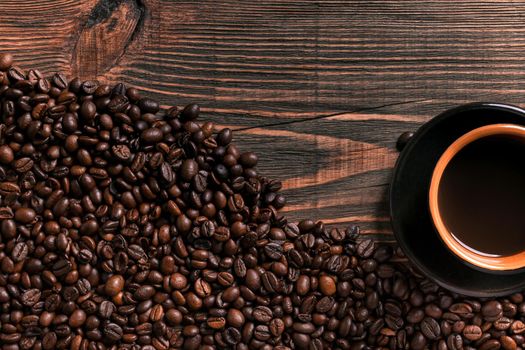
(319, 89)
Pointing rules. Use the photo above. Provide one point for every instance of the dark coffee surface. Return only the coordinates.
(482, 195)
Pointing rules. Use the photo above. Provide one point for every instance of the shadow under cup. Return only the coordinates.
(452, 240)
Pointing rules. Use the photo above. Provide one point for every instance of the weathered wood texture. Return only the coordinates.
(320, 89)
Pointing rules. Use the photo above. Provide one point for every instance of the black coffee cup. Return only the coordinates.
(412, 222)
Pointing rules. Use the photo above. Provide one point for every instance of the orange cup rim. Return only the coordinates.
(497, 263)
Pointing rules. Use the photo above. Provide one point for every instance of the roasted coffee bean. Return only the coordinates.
(144, 292)
(277, 327)
(262, 314)
(517, 327)
(225, 279)
(270, 282)
(235, 318)
(6, 61)
(327, 285)
(25, 215)
(232, 336)
(9, 188)
(114, 285)
(461, 309)
(472, 332)
(106, 309)
(273, 251)
(365, 248)
(239, 268)
(190, 112)
(61, 268)
(492, 310)
(20, 251)
(6, 154)
(118, 103)
(202, 288)
(31, 297)
(262, 333)
(216, 322)
(113, 332)
(502, 323)
(121, 152)
(189, 169)
(508, 343)
(77, 318)
(430, 328)
(403, 140)
(49, 341)
(151, 135)
(491, 344)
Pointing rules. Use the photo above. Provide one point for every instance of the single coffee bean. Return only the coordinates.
(508, 343)
(114, 285)
(6, 154)
(61, 267)
(144, 292)
(148, 105)
(189, 169)
(365, 248)
(225, 279)
(106, 309)
(403, 140)
(25, 215)
(492, 310)
(49, 341)
(270, 282)
(235, 318)
(6, 61)
(20, 252)
(491, 344)
(31, 297)
(152, 135)
(77, 318)
(190, 112)
(262, 333)
(122, 152)
(202, 288)
(517, 327)
(430, 328)
(113, 332)
(248, 159)
(502, 323)
(262, 314)
(216, 322)
(327, 285)
(232, 336)
(472, 332)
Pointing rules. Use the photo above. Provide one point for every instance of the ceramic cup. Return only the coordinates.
(496, 263)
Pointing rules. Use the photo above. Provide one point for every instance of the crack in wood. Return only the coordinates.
(357, 110)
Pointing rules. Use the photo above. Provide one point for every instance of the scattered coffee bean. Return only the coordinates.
(403, 140)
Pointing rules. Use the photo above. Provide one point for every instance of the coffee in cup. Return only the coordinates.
(477, 197)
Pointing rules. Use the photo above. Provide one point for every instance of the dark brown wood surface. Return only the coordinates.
(319, 89)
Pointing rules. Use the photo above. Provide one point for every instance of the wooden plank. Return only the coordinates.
(320, 89)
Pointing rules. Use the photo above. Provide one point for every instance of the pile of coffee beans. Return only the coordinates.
(124, 226)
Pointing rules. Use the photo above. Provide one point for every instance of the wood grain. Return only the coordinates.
(319, 89)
